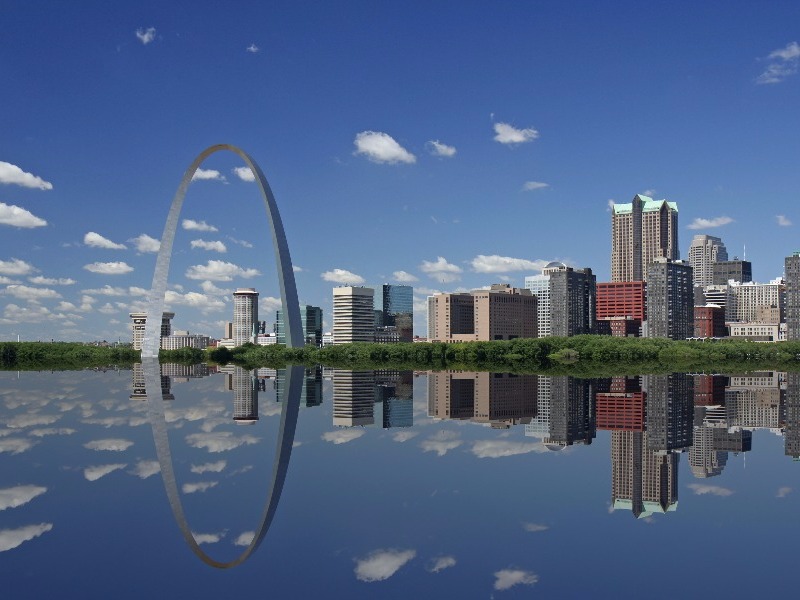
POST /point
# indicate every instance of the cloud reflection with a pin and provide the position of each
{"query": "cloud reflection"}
(19, 495)
(440, 563)
(11, 538)
(342, 436)
(508, 578)
(715, 490)
(96, 472)
(109, 445)
(382, 564)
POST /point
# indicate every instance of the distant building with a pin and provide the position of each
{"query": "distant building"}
(353, 317)
(310, 319)
(572, 301)
(641, 231)
(670, 300)
(704, 251)
(623, 306)
(736, 270)
(398, 310)
(245, 316)
(709, 321)
(139, 320)
(750, 296)
(183, 339)
(792, 275)
(758, 331)
(539, 285)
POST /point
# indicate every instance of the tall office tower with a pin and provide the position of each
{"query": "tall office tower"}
(738, 270)
(245, 316)
(398, 310)
(749, 297)
(499, 313)
(353, 316)
(704, 251)
(138, 321)
(311, 320)
(792, 428)
(642, 481)
(243, 384)
(572, 301)
(792, 279)
(622, 305)
(669, 410)
(755, 401)
(670, 299)
(353, 398)
(571, 413)
(642, 231)
(539, 285)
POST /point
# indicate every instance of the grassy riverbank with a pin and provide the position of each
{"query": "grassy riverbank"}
(58, 356)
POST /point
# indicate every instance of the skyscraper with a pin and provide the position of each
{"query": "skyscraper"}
(310, 318)
(245, 315)
(792, 280)
(704, 251)
(641, 231)
(738, 270)
(398, 310)
(353, 316)
(539, 285)
(139, 319)
(670, 300)
(572, 301)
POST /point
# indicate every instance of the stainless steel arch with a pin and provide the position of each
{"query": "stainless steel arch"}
(291, 308)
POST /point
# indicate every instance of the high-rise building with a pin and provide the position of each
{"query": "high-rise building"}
(792, 429)
(353, 316)
(622, 305)
(499, 313)
(709, 321)
(736, 270)
(138, 321)
(539, 285)
(792, 280)
(394, 391)
(670, 299)
(398, 310)
(641, 231)
(750, 297)
(245, 316)
(310, 319)
(704, 251)
(572, 301)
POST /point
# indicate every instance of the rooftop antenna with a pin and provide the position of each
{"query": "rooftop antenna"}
(744, 255)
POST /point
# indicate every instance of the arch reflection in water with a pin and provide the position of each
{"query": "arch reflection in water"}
(290, 403)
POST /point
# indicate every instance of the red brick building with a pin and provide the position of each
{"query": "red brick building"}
(709, 321)
(621, 307)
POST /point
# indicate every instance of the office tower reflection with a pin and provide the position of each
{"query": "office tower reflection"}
(621, 406)
(138, 385)
(394, 390)
(499, 399)
(244, 384)
(572, 419)
(642, 481)
(792, 429)
(670, 411)
(539, 427)
(755, 400)
(353, 398)
(311, 393)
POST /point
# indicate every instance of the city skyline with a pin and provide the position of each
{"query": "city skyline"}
(399, 150)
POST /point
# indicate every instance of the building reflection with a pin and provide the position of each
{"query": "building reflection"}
(245, 387)
(792, 431)
(311, 393)
(353, 398)
(394, 391)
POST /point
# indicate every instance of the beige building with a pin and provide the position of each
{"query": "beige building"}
(353, 315)
(751, 298)
(138, 321)
(641, 231)
(499, 313)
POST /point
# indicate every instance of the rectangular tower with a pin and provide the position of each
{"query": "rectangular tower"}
(398, 310)
(245, 315)
(670, 300)
(642, 231)
(353, 316)
(572, 301)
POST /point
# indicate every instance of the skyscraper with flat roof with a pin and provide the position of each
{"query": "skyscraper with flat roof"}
(704, 251)
(641, 231)
(245, 315)
(572, 301)
(353, 316)
(792, 280)
(138, 321)
(670, 299)
(398, 310)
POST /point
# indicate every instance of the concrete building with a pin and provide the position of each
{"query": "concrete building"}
(749, 297)
(641, 231)
(499, 313)
(572, 301)
(735, 270)
(622, 306)
(704, 251)
(758, 331)
(138, 321)
(398, 310)
(311, 320)
(670, 299)
(539, 285)
(353, 317)
(245, 316)
(709, 321)
(183, 339)
(792, 279)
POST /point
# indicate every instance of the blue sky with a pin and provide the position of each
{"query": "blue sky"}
(450, 145)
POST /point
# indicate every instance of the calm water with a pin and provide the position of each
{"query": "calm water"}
(397, 484)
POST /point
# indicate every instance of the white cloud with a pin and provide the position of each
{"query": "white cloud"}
(16, 445)
(15, 266)
(441, 443)
(501, 448)
(213, 467)
(342, 276)
(211, 289)
(19, 217)
(342, 436)
(31, 294)
(145, 243)
(109, 268)
(404, 277)
(715, 490)
(440, 563)
(532, 186)
(96, 472)
(19, 495)
(200, 486)
(380, 147)
(14, 314)
(7, 280)
(201, 302)
(192, 225)
(709, 223)
(11, 538)
(508, 578)
(534, 527)
(784, 63)
(207, 538)
(12, 174)
(109, 445)
(783, 221)
(244, 173)
(39, 280)
(243, 243)
(215, 246)
(297, 269)
(382, 564)
(505, 264)
(107, 290)
(441, 270)
(95, 240)
(508, 134)
(244, 539)
(269, 304)
(146, 35)
(252, 48)
(208, 175)
(218, 270)
(221, 441)
(438, 148)
(146, 468)
(783, 492)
